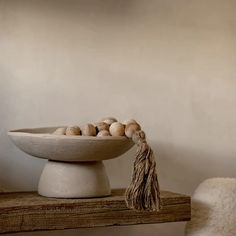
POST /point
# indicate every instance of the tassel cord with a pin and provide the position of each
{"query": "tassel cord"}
(143, 193)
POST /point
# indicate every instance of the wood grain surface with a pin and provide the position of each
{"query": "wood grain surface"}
(27, 211)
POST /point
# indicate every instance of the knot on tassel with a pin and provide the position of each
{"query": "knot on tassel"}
(139, 137)
(143, 194)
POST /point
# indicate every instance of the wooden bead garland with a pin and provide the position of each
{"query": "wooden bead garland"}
(73, 130)
(126, 122)
(88, 130)
(102, 126)
(117, 129)
(131, 128)
(103, 133)
(109, 120)
(60, 131)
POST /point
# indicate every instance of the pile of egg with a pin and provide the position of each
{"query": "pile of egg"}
(106, 127)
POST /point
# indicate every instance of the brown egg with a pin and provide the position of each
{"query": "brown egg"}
(131, 128)
(103, 133)
(73, 130)
(109, 120)
(117, 129)
(60, 131)
(102, 126)
(88, 130)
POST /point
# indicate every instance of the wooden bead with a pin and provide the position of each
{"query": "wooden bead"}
(60, 131)
(109, 120)
(117, 129)
(103, 133)
(102, 126)
(131, 128)
(127, 122)
(73, 130)
(88, 130)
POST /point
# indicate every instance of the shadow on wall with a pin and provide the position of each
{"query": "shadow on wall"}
(182, 169)
(15, 166)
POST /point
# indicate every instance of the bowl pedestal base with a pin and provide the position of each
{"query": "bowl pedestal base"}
(74, 180)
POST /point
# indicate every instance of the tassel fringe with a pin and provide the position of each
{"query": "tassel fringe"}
(143, 194)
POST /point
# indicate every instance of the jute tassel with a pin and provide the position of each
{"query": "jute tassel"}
(143, 194)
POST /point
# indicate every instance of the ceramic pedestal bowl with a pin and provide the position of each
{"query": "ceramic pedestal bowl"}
(74, 168)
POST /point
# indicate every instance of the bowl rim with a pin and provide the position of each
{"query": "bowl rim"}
(26, 132)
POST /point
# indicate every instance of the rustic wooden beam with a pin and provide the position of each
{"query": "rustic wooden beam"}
(27, 211)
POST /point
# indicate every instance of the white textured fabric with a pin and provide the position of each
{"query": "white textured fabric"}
(214, 208)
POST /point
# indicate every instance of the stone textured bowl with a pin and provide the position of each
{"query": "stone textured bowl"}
(74, 168)
(40, 142)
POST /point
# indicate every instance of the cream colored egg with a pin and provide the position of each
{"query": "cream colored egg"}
(103, 133)
(102, 126)
(109, 120)
(131, 128)
(73, 130)
(127, 122)
(60, 131)
(117, 129)
(88, 130)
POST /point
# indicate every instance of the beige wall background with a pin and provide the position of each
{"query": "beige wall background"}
(168, 64)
